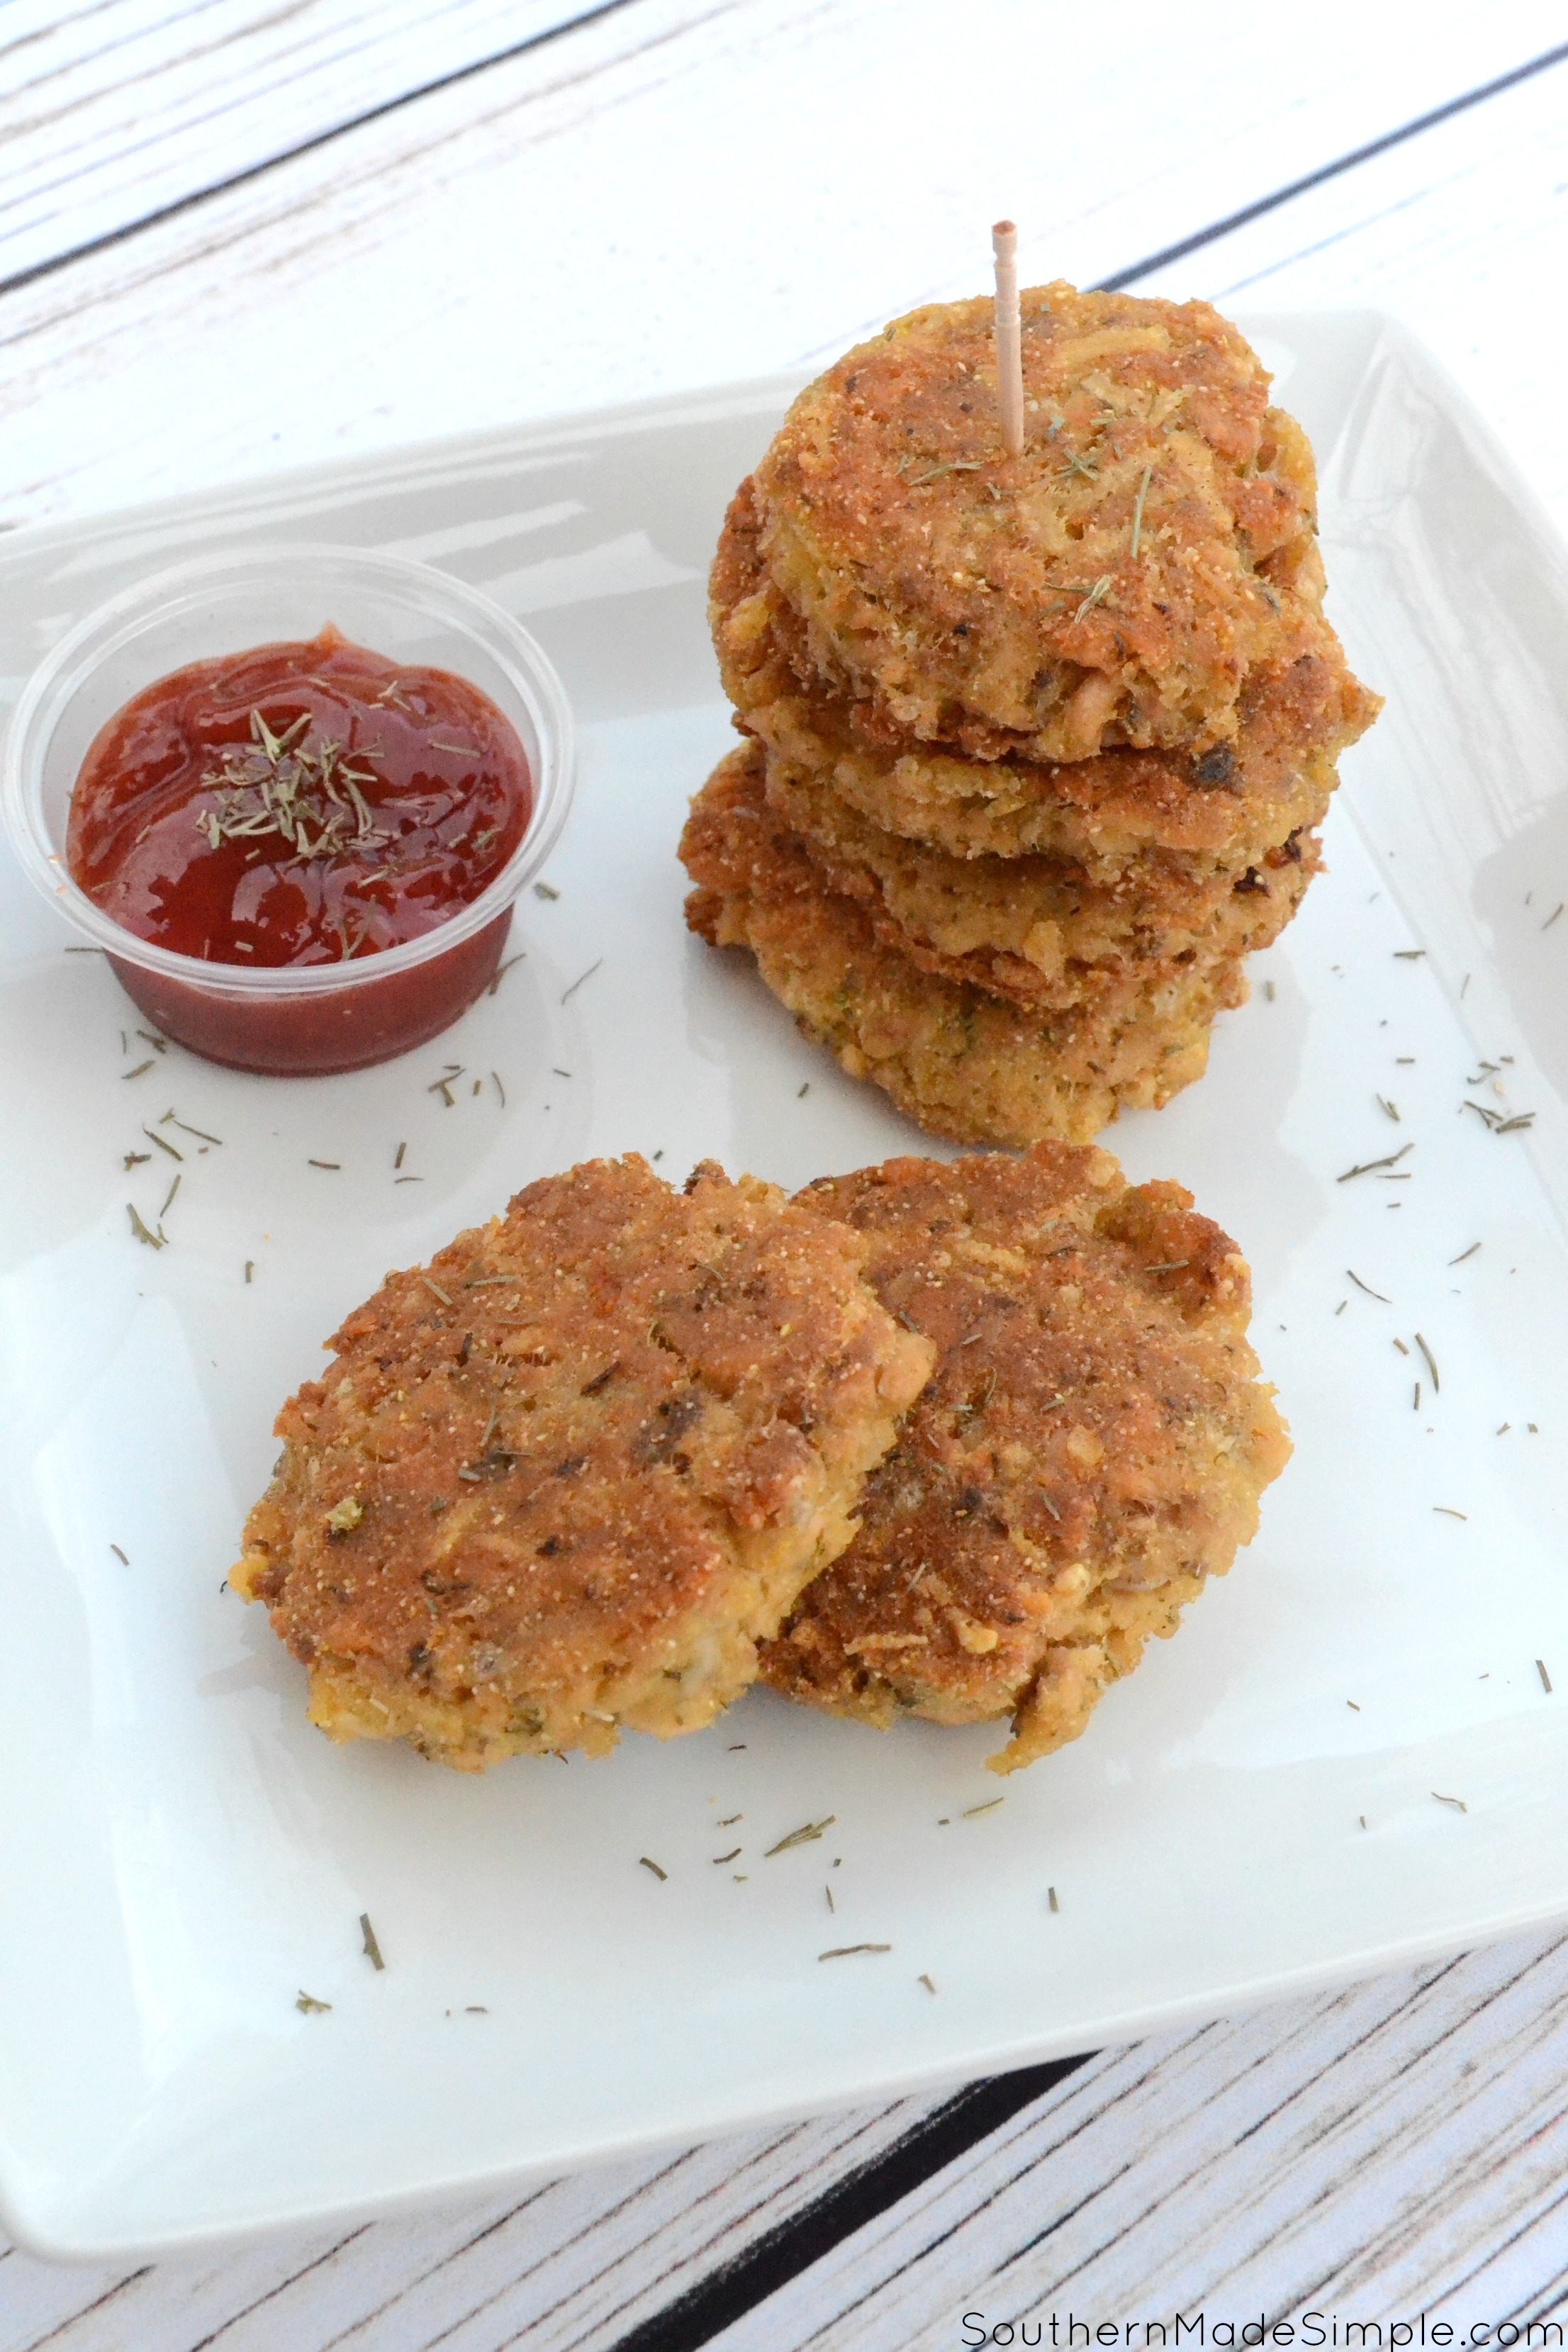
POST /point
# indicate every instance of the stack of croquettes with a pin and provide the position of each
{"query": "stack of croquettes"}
(1036, 746)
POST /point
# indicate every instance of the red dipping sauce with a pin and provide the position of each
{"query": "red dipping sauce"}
(301, 804)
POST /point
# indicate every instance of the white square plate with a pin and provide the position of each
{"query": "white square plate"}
(1253, 1812)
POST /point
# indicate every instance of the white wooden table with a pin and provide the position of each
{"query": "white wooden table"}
(236, 236)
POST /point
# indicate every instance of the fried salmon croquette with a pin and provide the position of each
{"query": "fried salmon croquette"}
(964, 1062)
(1116, 584)
(1041, 930)
(1206, 809)
(1046, 737)
(1092, 1444)
(566, 1476)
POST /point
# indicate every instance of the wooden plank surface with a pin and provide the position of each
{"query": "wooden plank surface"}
(683, 191)
(1397, 2149)
(692, 191)
(1459, 233)
(114, 112)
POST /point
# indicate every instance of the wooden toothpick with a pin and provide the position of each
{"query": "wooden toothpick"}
(1010, 353)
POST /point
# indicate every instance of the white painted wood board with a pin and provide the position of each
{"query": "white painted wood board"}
(1395, 2148)
(112, 111)
(685, 194)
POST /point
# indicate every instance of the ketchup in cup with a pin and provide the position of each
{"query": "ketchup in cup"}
(301, 804)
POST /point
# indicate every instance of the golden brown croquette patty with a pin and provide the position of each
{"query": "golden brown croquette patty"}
(1115, 584)
(566, 1476)
(1040, 929)
(963, 1062)
(1091, 1446)
(1206, 810)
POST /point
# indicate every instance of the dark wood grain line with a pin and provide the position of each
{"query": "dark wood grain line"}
(1352, 2049)
(600, 2217)
(272, 2292)
(1476, 2009)
(362, 2320)
(1306, 2298)
(551, 2254)
(1090, 2121)
(1349, 2051)
(1334, 2281)
(1048, 2155)
(929, 2246)
(782, 2253)
(96, 2305)
(308, 146)
(771, 2196)
(46, 32)
(1269, 203)
(1556, 2300)
(1147, 2213)
(138, 32)
(605, 2214)
(308, 205)
(1499, 2246)
(527, 2270)
(1321, 245)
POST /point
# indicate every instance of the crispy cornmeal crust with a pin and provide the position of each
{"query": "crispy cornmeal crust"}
(1040, 929)
(565, 1477)
(1226, 807)
(1091, 1446)
(1221, 812)
(1155, 541)
(963, 1062)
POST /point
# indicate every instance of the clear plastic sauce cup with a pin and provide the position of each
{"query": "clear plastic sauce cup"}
(288, 1019)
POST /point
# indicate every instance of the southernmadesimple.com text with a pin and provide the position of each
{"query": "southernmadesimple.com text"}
(1195, 2332)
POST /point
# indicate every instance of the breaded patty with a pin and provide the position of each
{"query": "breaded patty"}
(1114, 584)
(1227, 807)
(962, 1061)
(1038, 928)
(1091, 1446)
(566, 1476)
